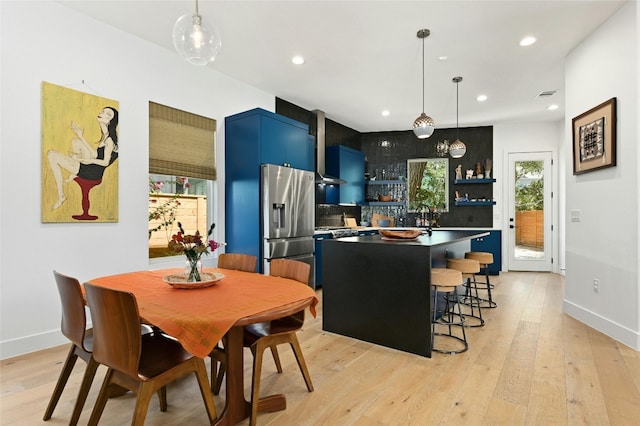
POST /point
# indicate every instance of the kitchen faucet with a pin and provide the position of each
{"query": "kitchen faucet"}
(429, 217)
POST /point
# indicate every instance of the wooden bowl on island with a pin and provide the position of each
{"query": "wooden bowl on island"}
(401, 234)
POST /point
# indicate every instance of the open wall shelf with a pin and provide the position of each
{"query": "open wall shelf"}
(472, 181)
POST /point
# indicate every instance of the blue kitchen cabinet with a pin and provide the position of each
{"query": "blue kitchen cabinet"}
(319, 238)
(492, 243)
(347, 164)
(253, 138)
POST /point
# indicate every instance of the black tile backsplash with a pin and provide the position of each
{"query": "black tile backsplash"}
(386, 155)
(334, 215)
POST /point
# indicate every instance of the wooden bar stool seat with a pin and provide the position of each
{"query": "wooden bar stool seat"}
(469, 268)
(446, 281)
(485, 259)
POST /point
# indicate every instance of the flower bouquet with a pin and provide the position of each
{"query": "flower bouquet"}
(193, 247)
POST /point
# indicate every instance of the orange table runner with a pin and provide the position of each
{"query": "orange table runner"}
(199, 318)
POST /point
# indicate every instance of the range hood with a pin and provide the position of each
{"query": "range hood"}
(321, 176)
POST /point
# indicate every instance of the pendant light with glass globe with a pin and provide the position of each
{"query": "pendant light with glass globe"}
(195, 42)
(424, 125)
(457, 149)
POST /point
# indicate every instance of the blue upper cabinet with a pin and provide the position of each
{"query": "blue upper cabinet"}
(253, 138)
(272, 139)
(348, 165)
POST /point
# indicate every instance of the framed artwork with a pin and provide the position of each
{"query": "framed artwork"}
(594, 138)
(79, 156)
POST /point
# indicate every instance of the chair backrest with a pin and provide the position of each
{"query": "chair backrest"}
(74, 317)
(237, 261)
(288, 268)
(116, 328)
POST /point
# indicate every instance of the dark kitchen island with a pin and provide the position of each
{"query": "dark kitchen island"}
(379, 291)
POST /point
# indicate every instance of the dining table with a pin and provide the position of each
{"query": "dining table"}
(201, 317)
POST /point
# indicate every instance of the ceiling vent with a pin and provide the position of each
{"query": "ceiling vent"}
(546, 93)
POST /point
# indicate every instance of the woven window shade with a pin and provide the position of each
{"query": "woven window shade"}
(181, 143)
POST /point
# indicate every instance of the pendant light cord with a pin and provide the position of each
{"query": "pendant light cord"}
(197, 11)
(457, 106)
(423, 75)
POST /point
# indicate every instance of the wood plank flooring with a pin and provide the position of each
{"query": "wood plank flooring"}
(530, 365)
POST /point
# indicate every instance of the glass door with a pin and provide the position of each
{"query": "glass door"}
(530, 210)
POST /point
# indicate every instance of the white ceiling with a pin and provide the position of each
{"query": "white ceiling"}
(364, 56)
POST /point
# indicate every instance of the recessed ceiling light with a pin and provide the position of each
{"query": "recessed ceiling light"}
(527, 41)
(481, 98)
(552, 107)
(385, 113)
(443, 58)
(298, 60)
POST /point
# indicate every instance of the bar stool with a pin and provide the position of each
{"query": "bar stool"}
(447, 281)
(485, 259)
(468, 268)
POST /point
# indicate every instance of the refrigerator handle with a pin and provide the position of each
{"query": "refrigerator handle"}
(278, 216)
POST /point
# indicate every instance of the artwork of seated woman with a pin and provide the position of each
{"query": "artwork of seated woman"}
(86, 164)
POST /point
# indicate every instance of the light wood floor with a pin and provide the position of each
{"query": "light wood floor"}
(530, 365)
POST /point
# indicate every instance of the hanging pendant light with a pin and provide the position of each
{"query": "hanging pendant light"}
(195, 42)
(442, 148)
(424, 125)
(457, 149)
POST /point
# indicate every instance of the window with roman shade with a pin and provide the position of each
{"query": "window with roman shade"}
(181, 143)
(182, 173)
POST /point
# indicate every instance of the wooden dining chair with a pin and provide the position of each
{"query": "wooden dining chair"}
(238, 262)
(74, 327)
(261, 336)
(144, 364)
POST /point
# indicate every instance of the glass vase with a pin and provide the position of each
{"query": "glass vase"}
(193, 270)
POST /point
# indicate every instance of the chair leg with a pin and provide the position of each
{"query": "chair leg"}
(276, 358)
(491, 303)
(472, 300)
(69, 363)
(297, 351)
(103, 396)
(219, 379)
(162, 398)
(143, 398)
(201, 375)
(87, 380)
(452, 301)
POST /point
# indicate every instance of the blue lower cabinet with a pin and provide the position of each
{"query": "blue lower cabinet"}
(318, 254)
(492, 243)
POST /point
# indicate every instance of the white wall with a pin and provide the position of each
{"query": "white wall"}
(45, 41)
(526, 137)
(604, 244)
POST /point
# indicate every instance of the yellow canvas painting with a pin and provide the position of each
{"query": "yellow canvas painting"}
(79, 156)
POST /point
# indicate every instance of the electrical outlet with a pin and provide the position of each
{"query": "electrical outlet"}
(596, 285)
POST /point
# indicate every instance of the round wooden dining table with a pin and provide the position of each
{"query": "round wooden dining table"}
(199, 318)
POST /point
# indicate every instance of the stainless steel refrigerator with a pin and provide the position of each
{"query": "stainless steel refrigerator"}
(288, 215)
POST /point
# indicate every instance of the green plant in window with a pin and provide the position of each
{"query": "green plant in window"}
(428, 184)
(163, 213)
(529, 185)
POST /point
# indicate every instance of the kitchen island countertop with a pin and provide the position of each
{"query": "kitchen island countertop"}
(379, 291)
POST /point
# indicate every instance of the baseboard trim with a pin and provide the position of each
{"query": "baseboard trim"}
(33, 343)
(612, 329)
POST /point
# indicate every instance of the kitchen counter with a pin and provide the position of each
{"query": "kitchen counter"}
(379, 291)
(437, 238)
